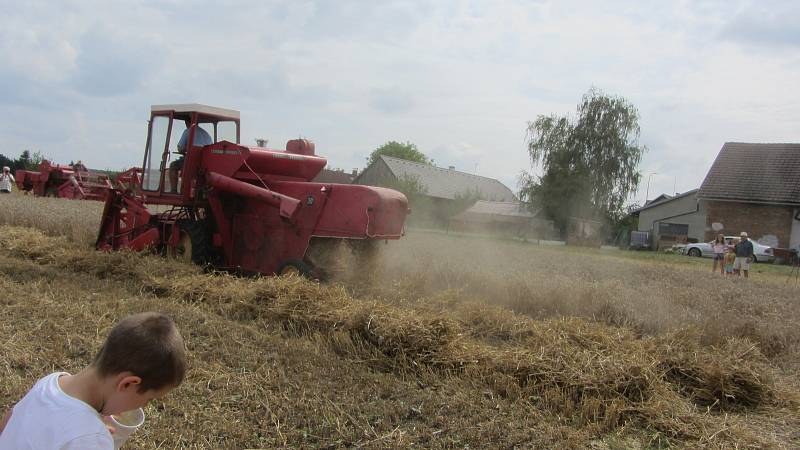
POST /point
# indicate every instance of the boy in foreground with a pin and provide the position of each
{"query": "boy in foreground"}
(142, 359)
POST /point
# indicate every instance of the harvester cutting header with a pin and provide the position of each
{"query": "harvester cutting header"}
(250, 209)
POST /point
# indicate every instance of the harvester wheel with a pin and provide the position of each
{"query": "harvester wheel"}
(295, 267)
(193, 243)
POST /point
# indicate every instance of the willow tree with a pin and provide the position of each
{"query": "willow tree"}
(589, 162)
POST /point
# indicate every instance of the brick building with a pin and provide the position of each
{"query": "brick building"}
(754, 188)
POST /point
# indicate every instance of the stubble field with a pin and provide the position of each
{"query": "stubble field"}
(453, 342)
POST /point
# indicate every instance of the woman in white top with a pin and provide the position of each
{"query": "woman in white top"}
(6, 180)
(719, 247)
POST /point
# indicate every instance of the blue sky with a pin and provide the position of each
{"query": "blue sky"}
(460, 79)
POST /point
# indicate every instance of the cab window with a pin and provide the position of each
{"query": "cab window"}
(159, 129)
(226, 131)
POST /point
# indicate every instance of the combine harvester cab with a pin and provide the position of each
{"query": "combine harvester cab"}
(248, 209)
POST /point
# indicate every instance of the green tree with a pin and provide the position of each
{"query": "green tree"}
(410, 186)
(28, 160)
(590, 162)
(7, 162)
(461, 202)
(407, 151)
(623, 227)
(415, 192)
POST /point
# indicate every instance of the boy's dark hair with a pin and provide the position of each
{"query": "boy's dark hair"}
(147, 345)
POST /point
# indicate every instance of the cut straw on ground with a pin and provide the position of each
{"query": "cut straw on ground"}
(289, 362)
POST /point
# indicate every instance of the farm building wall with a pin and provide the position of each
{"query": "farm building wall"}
(681, 210)
(520, 227)
(431, 213)
(767, 224)
(377, 174)
(428, 212)
(584, 232)
(794, 239)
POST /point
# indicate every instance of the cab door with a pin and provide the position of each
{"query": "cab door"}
(156, 153)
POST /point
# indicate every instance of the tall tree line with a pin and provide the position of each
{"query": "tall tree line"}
(27, 160)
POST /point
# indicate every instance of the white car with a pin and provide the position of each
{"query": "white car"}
(761, 253)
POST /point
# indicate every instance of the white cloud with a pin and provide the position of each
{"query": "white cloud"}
(458, 78)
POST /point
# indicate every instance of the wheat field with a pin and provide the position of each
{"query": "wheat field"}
(454, 342)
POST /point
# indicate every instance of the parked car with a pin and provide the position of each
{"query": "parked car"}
(761, 253)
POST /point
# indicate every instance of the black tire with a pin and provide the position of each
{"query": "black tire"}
(754, 259)
(194, 245)
(695, 252)
(295, 266)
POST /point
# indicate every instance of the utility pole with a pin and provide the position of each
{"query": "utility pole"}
(647, 194)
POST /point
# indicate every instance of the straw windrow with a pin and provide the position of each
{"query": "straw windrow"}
(600, 379)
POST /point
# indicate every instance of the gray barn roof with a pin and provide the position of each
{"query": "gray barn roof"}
(663, 199)
(758, 173)
(446, 183)
(334, 176)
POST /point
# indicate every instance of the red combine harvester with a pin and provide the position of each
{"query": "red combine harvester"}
(65, 181)
(248, 209)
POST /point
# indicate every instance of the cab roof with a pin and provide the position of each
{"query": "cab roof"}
(197, 107)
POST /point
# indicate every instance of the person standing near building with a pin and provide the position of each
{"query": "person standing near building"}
(744, 254)
(6, 180)
(730, 257)
(719, 247)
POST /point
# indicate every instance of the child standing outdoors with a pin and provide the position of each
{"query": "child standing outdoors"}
(142, 359)
(730, 257)
(718, 247)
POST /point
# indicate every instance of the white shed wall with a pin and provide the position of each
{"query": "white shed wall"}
(683, 210)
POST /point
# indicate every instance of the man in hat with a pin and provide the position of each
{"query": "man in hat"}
(744, 254)
(6, 180)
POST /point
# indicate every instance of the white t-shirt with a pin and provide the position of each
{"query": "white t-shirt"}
(47, 418)
(6, 181)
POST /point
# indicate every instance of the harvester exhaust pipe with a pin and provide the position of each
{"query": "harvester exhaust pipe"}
(287, 206)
